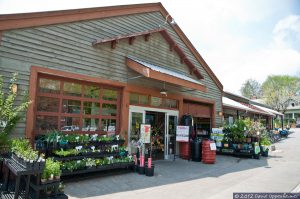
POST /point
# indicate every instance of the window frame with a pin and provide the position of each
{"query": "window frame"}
(162, 106)
(61, 96)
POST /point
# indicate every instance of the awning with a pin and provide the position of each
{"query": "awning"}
(234, 104)
(271, 111)
(227, 102)
(162, 74)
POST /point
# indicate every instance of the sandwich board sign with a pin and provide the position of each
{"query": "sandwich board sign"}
(182, 133)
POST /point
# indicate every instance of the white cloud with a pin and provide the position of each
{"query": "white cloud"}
(279, 57)
(287, 32)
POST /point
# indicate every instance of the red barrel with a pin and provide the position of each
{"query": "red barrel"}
(208, 155)
(184, 150)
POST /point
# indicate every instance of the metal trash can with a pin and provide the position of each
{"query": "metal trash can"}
(196, 150)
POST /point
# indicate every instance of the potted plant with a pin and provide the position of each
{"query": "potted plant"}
(44, 177)
(56, 170)
(264, 145)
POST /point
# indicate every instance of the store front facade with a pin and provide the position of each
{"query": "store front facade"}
(106, 71)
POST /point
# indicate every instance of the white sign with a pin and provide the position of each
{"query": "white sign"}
(217, 135)
(145, 133)
(182, 133)
(217, 130)
(230, 120)
(213, 146)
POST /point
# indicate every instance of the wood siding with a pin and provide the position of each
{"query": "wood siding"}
(68, 47)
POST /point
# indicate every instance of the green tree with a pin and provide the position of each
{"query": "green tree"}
(278, 89)
(10, 112)
(251, 89)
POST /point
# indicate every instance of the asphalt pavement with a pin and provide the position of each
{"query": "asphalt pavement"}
(280, 172)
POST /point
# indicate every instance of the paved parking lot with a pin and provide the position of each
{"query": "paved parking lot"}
(182, 179)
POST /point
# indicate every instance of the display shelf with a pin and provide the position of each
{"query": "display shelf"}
(82, 156)
(100, 168)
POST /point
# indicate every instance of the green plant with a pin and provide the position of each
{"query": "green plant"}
(10, 113)
(45, 174)
(22, 148)
(52, 167)
(89, 162)
(265, 140)
(235, 132)
(66, 153)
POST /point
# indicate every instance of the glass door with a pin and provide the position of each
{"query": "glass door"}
(136, 118)
(170, 136)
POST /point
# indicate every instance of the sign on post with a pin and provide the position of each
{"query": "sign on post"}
(182, 133)
(145, 133)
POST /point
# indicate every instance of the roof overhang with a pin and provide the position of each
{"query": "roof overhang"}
(271, 111)
(146, 34)
(162, 74)
(232, 104)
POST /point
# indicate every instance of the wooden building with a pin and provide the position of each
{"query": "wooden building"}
(107, 70)
(240, 107)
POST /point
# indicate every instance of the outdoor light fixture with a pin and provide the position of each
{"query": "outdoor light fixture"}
(164, 91)
(220, 113)
(14, 88)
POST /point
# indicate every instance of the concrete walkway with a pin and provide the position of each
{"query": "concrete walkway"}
(182, 179)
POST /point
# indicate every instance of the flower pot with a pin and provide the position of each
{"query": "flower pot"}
(226, 145)
(240, 146)
(57, 177)
(135, 168)
(51, 177)
(141, 170)
(234, 146)
(43, 181)
(149, 171)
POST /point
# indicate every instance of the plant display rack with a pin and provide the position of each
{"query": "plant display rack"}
(245, 152)
(79, 154)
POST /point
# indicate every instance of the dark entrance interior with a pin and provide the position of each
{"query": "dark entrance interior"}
(157, 122)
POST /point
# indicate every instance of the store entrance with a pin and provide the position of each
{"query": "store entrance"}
(163, 130)
(158, 123)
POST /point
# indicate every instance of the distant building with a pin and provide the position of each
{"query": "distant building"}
(292, 113)
(240, 107)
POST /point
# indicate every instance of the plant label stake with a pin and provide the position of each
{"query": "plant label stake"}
(149, 162)
(135, 159)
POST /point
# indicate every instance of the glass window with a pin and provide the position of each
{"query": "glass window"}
(111, 95)
(109, 109)
(108, 125)
(134, 98)
(84, 107)
(170, 103)
(144, 100)
(72, 89)
(46, 122)
(91, 108)
(136, 121)
(47, 104)
(49, 86)
(90, 124)
(69, 123)
(71, 106)
(92, 92)
(156, 101)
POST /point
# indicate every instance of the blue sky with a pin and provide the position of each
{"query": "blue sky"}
(239, 39)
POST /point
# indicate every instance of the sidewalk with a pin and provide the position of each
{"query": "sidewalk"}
(183, 179)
